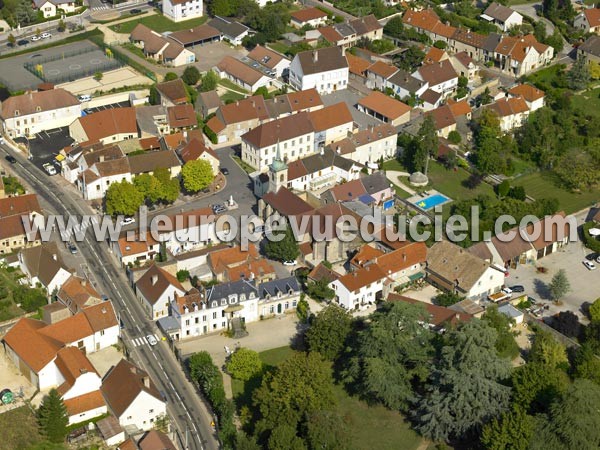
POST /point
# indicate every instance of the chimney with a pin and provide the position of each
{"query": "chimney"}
(146, 381)
(82, 371)
(404, 257)
(154, 279)
(101, 158)
(84, 282)
(315, 56)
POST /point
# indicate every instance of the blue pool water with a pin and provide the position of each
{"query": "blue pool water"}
(431, 201)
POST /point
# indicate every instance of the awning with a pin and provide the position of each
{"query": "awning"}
(416, 276)
(486, 17)
(233, 308)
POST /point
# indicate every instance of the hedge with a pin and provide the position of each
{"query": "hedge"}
(590, 241)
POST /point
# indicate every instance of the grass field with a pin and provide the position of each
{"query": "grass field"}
(158, 23)
(19, 429)
(279, 47)
(231, 85)
(588, 102)
(369, 427)
(544, 185)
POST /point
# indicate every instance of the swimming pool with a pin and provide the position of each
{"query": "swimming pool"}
(431, 201)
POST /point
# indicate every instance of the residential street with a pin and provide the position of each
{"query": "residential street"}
(189, 412)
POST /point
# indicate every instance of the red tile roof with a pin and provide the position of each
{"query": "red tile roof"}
(304, 15)
(83, 403)
(362, 277)
(384, 105)
(330, 117)
(528, 92)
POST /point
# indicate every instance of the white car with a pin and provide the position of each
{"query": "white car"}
(507, 290)
(45, 35)
(289, 263)
(590, 265)
(127, 221)
(49, 168)
(151, 340)
(36, 38)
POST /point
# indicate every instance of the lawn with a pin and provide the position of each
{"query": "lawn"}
(279, 47)
(368, 426)
(230, 97)
(545, 185)
(19, 429)
(158, 23)
(588, 102)
(231, 85)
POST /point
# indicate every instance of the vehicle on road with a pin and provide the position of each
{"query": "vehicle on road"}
(590, 265)
(46, 35)
(72, 248)
(11, 159)
(290, 263)
(135, 11)
(127, 221)
(85, 98)
(49, 168)
(35, 38)
(1, 140)
(22, 42)
(517, 288)
(151, 340)
(225, 171)
(591, 256)
(219, 208)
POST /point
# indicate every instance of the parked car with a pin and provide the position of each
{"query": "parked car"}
(151, 340)
(135, 11)
(290, 263)
(22, 42)
(45, 35)
(219, 208)
(85, 98)
(225, 171)
(507, 290)
(11, 159)
(590, 265)
(127, 221)
(49, 168)
(35, 38)
(517, 288)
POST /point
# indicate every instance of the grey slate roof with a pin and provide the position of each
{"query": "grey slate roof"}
(224, 290)
(405, 80)
(491, 42)
(283, 285)
(591, 46)
(498, 12)
(230, 29)
(376, 182)
(330, 58)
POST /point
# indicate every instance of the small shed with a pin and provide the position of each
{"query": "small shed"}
(512, 312)
(111, 431)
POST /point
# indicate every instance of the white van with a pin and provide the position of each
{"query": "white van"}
(85, 98)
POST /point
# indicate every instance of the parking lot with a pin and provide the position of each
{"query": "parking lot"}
(209, 55)
(351, 99)
(585, 284)
(46, 145)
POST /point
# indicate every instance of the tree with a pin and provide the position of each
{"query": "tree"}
(221, 8)
(454, 137)
(149, 186)
(244, 364)
(301, 385)
(284, 250)
(506, 345)
(263, 92)
(210, 80)
(98, 76)
(587, 364)
(62, 26)
(302, 309)
(595, 311)
(328, 332)
(440, 44)
(518, 193)
(567, 323)
(320, 290)
(153, 96)
(245, 442)
(197, 174)
(53, 417)
(536, 386)
(559, 285)
(191, 75)
(325, 430)
(579, 75)
(447, 299)
(170, 76)
(183, 275)
(428, 139)
(467, 385)
(512, 430)
(548, 351)
(29, 299)
(392, 355)
(284, 437)
(503, 188)
(169, 188)
(38, 32)
(123, 198)
(594, 70)
(573, 422)
(11, 39)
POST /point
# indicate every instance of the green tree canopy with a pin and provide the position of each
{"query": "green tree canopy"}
(587, 363)
(512, 430)
(595, 311)
(191, 75)
(123, 198)
(197, 174)
(170, 76)
(284, 437)
(328, 332)
(210, 80)
(285, 249)
(244, 364)
(467, 385)
(391, 354)
(505, 343)
(536, 385)
(326, 430)
(548, 351)
(579, 75)
(320, 290)
(559, 286)
(53, 417)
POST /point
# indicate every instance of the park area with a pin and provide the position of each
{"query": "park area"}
(158, 23)
(369, 427)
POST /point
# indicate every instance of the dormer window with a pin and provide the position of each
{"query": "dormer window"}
(223, 302)
(242, 297)
(17, 113)
(38, 108)
(214, 304)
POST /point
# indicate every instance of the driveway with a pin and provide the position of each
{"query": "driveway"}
(585, 284)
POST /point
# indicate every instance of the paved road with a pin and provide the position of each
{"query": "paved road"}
(184, 405)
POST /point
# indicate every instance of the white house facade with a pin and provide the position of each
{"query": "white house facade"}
(178, 10)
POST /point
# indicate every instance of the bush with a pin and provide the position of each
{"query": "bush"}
(503, 189)
(454, 137)
(440, 44)
(590, 241)
(191, 76)
(518, 193)
(244, 364)
(30, 299)
(447, 299)
(210, 134)
(183, 275)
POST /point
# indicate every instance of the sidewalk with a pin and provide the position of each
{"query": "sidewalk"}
(394, 177)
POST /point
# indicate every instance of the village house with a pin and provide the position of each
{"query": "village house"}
(231, 31)
(441, 77)
(324, 69)
(77, 293)
(294, 102)
(278, 296)
(233, 264)
(590, 50)
(370, 145)
(378, 73)
(534, 97)
(464, 66)
(164, 50)
(360, 288)
(208, 103)
(15, 213)
(43, 264)
(520, 55)
(502, 16)
(155, 290)
(53, 8)
(235, 119)
(272, 61)
(149, 162)
(132, 397)
(313, 17)
(178, 10)
(172, 92)
(32, 113)
(347, 34)
(404, 85)
(107, 126)
(512, 112)
(330, 124)
(135, 251)
(197, 150)
(384, 108)
(439, 318)
(241, 74)
(588, 20)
